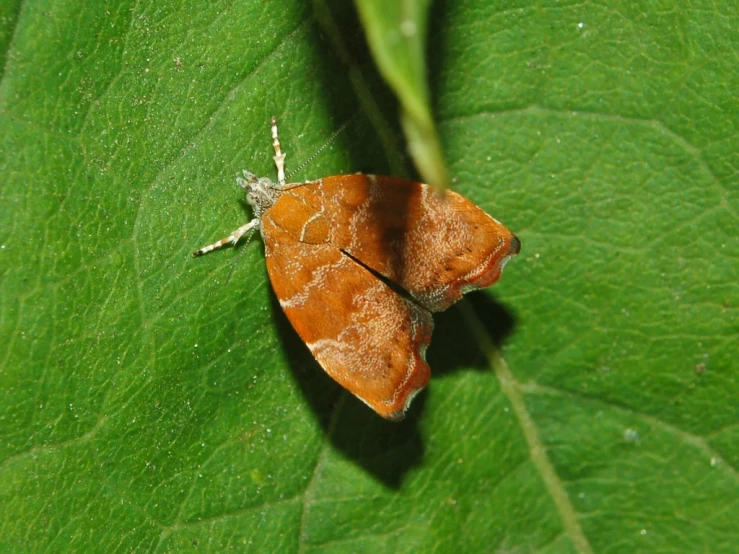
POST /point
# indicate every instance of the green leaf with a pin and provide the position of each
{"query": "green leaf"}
(150, 403)
(396, 33)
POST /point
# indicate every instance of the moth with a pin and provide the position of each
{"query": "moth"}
(360, 262)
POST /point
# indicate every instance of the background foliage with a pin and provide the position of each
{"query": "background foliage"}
(149, 403)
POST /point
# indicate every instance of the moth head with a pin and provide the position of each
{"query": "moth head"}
(261, 192)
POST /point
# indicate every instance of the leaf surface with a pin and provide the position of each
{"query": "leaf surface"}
(152, 403)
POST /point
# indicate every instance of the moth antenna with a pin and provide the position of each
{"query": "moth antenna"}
(322, 148)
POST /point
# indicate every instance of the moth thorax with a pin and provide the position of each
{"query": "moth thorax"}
(261, 192)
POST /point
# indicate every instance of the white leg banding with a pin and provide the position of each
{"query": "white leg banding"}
(233, 238)
(279, 157)
(247, 183)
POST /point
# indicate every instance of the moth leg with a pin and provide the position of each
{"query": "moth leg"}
(233, 238)
(279, 156)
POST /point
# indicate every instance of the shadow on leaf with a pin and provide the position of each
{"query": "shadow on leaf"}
(383, 448)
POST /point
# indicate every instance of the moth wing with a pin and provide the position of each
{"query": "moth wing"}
(435, 247)
(368, 338)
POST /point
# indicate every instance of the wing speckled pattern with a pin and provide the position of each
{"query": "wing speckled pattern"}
(435, 247)
(367, 337)
(359, 262)
(320, 239)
